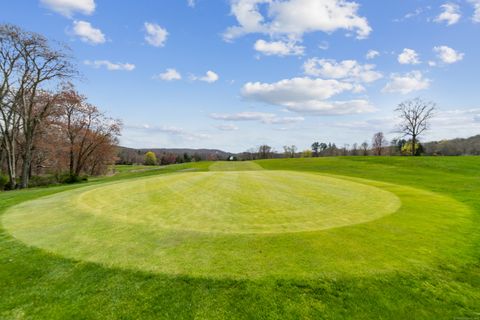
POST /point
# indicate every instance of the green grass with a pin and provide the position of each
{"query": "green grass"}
(59, 259)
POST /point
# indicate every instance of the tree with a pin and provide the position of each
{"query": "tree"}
(415, 118)
(378, 143)
(264, 152)
(315, 148)
(355, 149)
(290, 151)
(150, 159)
(86, 129)
(307, 153)
(36, 64)
(364, 147)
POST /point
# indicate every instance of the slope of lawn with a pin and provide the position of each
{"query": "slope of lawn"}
(354, 237)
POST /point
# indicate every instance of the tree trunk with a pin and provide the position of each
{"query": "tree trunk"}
(414, 145)
(72, 157)
(27, 162)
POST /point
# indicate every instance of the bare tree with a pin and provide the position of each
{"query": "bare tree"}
(415, 115)
(364, 147)
(9, 118)
(378, 143)
(355, 149)
(87, 130)
(37, 64)
(264, 152)
(290, 151)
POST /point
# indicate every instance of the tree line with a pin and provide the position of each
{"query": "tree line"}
(414, 116)
(46, 125)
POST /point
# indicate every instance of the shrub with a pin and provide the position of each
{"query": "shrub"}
(3, 181)
(150, 159)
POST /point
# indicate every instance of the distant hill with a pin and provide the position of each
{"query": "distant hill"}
(131, 155)
(453, 147)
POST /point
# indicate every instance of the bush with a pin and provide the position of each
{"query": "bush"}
(39, 181)
(3, 181)
(69, 179)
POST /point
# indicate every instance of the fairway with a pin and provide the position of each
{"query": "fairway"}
(232, 223)
(302, 238)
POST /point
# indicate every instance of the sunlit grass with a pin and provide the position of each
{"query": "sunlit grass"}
(421, 261)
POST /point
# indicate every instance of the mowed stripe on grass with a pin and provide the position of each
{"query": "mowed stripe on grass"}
(240, 224)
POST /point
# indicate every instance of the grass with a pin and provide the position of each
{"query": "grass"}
(421, 261)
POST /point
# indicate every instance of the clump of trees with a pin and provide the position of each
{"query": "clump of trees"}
(46, 126)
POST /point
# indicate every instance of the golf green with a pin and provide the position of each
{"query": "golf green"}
(218, 223)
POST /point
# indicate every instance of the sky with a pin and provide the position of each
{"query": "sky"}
(235, 74)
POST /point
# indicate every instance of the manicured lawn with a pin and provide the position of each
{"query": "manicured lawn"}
(354, 237)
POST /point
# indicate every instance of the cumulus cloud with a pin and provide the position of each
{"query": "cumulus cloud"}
(450, 14)
(372, 54)
(69, 7)
(349, 70)
(278, 48)
(448, 55)
(293, 18)
(110, 65)
(87, 33)
(209, 77)
(306, 95)
(406, 83)
(155, 34)
(476, 15)
(264, 117)
(408, 56)
(169, 75)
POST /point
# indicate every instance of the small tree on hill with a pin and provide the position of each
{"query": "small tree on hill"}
(150, 159)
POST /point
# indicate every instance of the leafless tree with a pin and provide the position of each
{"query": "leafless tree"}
(264, 152)
(364, 147)
(86, 129)
(290, 151)
(37, 65)
(378, 143)
(415, 118)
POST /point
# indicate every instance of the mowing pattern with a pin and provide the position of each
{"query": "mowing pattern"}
(238, 224)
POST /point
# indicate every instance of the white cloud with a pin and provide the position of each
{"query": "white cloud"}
(278, 48)
(476, 15)
(110, 65)
(293, 18)
(408, 56)
(451, 14)
(264, 117)
(69, 7)
(156, 35)
(170, 130)
(87, 33)
(306, 95)
(448, 55)
(209, 77)
(349, 70)
(227, 127)
(169, 75)
(372, 54)
(191, 3)
(406, 83)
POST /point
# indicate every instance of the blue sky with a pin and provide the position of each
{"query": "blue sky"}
(234, 74)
